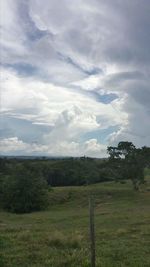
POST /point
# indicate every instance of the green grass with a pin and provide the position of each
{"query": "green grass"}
(59, 237)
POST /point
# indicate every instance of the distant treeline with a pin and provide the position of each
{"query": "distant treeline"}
(25, 183)
(60, 172)
(125, 161)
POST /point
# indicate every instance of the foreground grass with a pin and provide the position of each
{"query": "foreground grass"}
(59, 237)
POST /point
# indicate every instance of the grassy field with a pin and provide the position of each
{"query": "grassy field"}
(59, 237)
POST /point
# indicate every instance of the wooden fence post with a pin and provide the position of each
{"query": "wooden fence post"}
(92, 230)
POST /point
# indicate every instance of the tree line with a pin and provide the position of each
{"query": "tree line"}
(24, 183)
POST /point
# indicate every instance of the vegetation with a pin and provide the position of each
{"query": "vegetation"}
(24, 183)
(59, 237)
(60, 172)
(125, 162)
(128, 162)
(23, 191)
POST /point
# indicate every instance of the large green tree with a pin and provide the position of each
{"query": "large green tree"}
(128, 162)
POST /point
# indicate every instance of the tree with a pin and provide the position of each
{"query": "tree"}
(129, 162)
(24, 191)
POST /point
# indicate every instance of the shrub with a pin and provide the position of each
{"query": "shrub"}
(24, 191)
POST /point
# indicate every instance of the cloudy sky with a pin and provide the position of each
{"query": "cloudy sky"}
(75, 76)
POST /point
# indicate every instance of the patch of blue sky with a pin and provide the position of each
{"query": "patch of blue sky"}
(100, 135)
(92, 71)
(36, 34)
(23, 68)
(107, 98)
(103, 98)
(23, 129)
(31, 31)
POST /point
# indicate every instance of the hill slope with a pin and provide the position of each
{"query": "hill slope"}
(59, 237)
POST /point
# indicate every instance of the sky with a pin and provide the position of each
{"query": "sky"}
(75, 76)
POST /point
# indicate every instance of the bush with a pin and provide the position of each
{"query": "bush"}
(24, 191)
